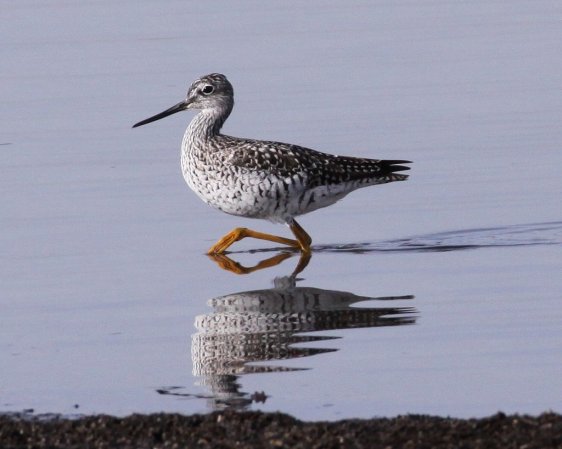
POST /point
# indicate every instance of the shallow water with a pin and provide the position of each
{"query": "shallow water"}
(437, 295)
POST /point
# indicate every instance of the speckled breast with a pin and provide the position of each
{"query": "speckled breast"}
(233, 189)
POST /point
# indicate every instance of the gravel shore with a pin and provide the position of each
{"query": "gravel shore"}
(277, 430)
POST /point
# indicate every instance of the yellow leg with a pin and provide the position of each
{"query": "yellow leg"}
(239, 233)
(303, 238)
(302, 241)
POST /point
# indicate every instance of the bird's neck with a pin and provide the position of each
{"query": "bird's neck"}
(208, 123)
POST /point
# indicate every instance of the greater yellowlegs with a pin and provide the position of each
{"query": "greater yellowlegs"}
(262, 179)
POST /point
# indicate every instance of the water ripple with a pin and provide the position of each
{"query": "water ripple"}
(505, 236)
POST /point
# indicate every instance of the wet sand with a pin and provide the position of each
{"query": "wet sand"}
(275, 430)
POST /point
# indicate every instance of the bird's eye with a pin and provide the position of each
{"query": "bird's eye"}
(208, 89)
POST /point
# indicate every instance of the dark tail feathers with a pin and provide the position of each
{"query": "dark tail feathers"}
(393, 166)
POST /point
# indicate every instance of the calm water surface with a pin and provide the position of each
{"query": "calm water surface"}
(439, 295)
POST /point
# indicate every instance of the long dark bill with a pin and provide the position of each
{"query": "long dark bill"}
(182, 105)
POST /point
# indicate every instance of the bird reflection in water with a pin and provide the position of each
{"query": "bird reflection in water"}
(264, 325)
(226, 263)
